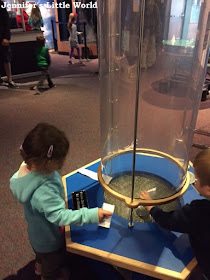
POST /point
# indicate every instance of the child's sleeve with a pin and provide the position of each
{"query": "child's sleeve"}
(53, 207)
(178, 220)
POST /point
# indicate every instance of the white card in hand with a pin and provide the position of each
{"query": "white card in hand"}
(107, 221)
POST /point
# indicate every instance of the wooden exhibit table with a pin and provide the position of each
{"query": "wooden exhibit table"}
(146, 248)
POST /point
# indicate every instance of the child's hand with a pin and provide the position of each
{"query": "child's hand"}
(5, 42)
(145, 195)
(102, 214)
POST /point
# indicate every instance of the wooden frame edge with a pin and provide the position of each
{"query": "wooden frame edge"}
(123, 262)
(189, 268)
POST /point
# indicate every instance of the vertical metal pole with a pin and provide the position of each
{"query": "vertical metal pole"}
(111, 55)
(141, 24)
(20, 10)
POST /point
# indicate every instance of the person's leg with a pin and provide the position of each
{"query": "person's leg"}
(1, 62)
(50, 82)
(37, 266)
(1, 65)
(7, 66)
(79, 55)
(52, 265)
(1, 81)
(40, 83)
(43, 77)
(71, 55)
(71, 52)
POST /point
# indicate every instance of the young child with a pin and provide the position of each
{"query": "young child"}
(193, 218)
(37, 184)
(5, 51)
(73, 38)
(43, 62)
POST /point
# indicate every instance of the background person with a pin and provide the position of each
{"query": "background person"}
(5, 52)
(35, 19)
(73, 38)
(43, 62)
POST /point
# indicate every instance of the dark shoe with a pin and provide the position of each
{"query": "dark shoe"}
(12, 85)
(52, 85)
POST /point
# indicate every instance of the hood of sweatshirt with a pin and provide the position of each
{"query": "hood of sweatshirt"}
(24, 187)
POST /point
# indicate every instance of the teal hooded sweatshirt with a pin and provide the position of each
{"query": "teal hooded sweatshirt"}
(44, 207)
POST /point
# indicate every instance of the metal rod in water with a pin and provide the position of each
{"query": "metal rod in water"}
(141, 24)
(130, 224)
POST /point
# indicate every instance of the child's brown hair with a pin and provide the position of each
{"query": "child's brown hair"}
(45, 148)
(35, 13)
(202, 167)
(40, 40)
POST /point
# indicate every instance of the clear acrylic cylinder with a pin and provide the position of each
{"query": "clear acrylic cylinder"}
(152, 58)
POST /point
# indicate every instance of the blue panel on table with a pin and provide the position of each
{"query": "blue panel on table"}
(145, 242)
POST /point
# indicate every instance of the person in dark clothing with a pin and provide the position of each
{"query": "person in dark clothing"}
(193, 218)
(43, 62)
(5, 53)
